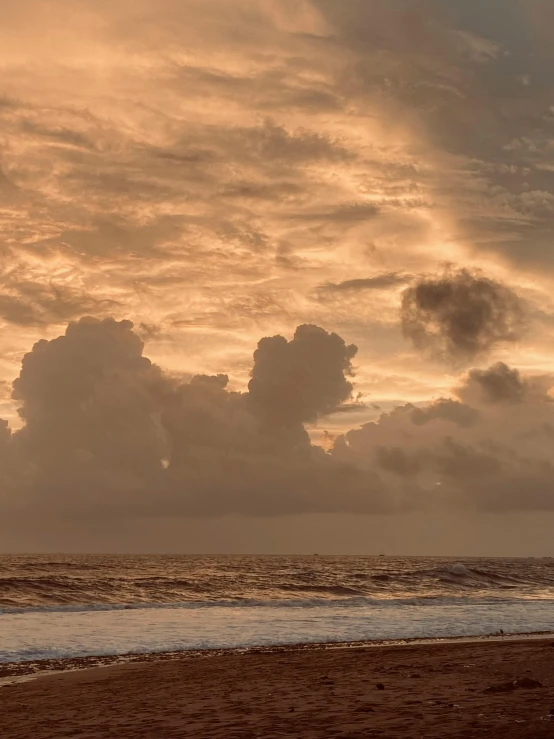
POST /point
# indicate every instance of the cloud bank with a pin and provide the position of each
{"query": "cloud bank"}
(108, 435)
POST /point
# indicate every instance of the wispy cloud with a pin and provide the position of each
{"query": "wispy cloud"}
(379, 282)
(224, 170)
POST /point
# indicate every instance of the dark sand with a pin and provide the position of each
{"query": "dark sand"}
(430, 690)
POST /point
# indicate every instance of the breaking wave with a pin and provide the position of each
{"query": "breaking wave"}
(361, 602)
(127, 582)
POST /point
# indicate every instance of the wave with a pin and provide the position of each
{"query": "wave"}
(28, 583)
(296, 603)
(338, 590)
(462, 575)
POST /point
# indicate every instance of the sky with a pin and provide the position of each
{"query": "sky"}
(276, 276)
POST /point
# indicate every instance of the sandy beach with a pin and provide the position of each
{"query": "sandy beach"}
(496, 688)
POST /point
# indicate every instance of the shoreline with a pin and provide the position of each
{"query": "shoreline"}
(25, 670)
(464, 688)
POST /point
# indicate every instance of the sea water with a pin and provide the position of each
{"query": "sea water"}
(70, 606)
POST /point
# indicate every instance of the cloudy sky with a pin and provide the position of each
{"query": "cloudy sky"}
(277, 275)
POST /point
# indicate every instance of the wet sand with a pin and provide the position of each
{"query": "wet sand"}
(428, 691)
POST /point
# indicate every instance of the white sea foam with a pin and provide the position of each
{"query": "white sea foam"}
(43, 635)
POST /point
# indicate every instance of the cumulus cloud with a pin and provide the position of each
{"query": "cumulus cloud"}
(108, 435)
(250, 452)
(500, 384)
(297, 381)
(448, 410)
(490, 450)
(460, 315)
(89, 400)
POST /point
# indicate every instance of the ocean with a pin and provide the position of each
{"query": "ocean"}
(71, 606)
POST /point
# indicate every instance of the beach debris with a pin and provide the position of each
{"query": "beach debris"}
(326, 681)
(502, 688)
(415, 675)
(527, 682)
(380, 686)
(364, 708)
(522, 682)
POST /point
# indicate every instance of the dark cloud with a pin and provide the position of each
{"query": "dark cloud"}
(463, 463)
(499, 384)
(486, 453)
(379, 282)
(448, 410)
(297, 381)
(502, 384)
(89, 401)
(108, 436)
(460, 315)
(228, 457)
(397, 461)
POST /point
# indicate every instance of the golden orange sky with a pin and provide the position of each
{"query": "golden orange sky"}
(218, 171)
